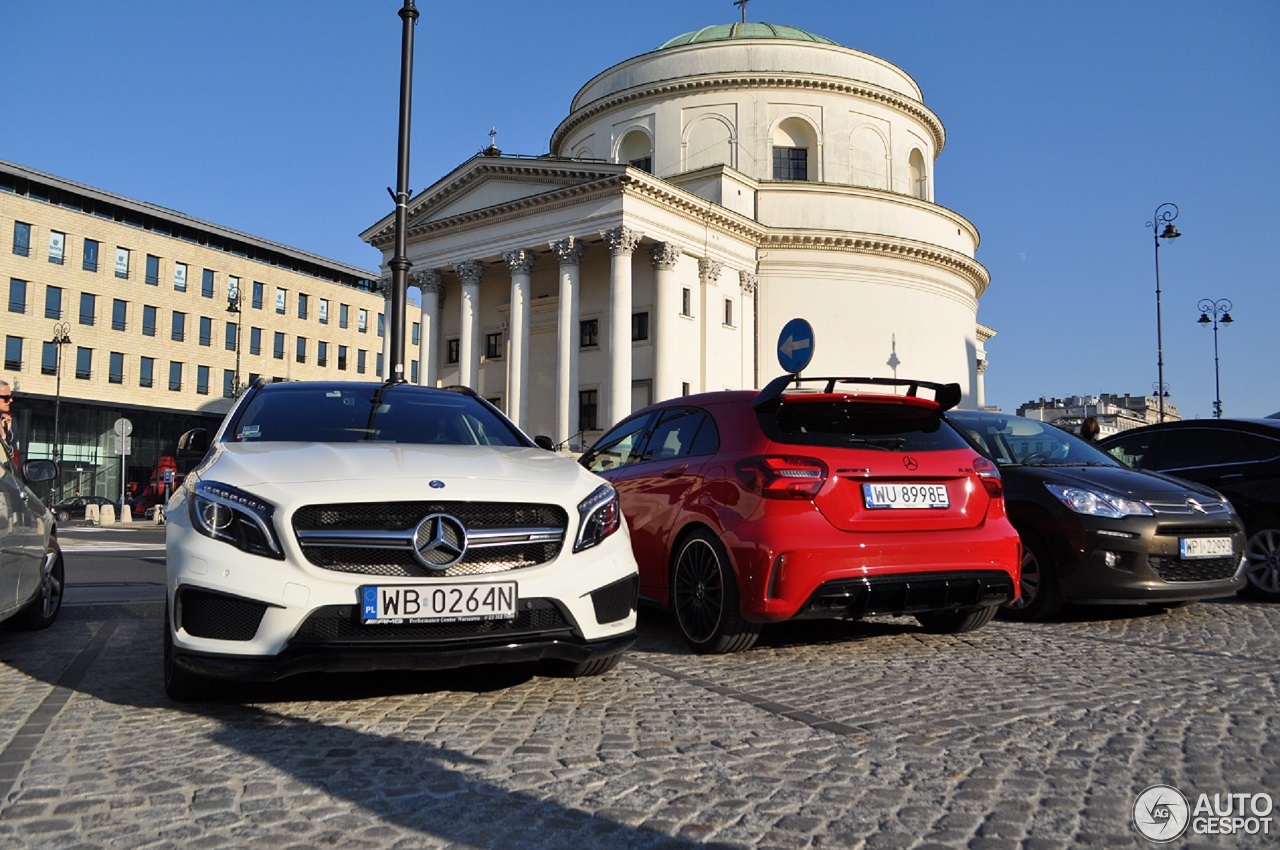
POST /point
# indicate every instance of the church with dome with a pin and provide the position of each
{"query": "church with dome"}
(694, 200)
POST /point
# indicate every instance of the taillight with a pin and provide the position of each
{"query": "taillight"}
(990, 475)
(782, 477)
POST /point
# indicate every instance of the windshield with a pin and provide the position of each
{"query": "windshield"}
(1013, 440)
(358, 413)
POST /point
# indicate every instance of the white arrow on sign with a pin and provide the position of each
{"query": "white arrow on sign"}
(791, 345)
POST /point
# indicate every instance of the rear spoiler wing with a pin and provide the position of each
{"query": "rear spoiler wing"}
(946, 395)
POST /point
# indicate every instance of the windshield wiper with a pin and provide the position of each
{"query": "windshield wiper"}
(887, 444)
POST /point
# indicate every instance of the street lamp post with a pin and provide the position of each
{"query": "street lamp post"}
(234, 299)
(1164, 214)
(1220, 310)
(61, 337)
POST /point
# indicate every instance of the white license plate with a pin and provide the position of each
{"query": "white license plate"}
(891, 495)
(437, 603)
(1205, 547)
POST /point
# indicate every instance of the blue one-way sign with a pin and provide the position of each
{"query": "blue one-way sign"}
(795, 345)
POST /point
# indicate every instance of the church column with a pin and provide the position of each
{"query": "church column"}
(384, 286)
(569, 252)
(666, 307)
(520, 262)
(747, 324)
(469, 272)
(431, 284)
(708, 276)
(980, 396)
(622, 242)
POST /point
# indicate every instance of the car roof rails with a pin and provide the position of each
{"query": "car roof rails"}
(947, 396)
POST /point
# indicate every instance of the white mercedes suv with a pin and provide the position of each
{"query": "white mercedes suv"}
(335, 526)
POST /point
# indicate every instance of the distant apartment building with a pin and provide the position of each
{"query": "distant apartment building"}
(1115, 413)
(120, 309)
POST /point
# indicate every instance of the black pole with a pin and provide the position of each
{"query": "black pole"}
(399, 262)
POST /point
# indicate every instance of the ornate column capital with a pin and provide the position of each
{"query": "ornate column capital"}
(520, 261)
(383, 286)
(569, 250)
(621, 240)
(430, 280)
(470, 272)
(665, 255)
(982, 366)
(709, 270)
(748, 282)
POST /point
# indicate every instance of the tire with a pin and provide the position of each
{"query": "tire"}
(705, 600)
(956, 622)
(64, 516)
(179, 684)
(594, 667)
(1262, 565)
(1041, 596)
(43, 609)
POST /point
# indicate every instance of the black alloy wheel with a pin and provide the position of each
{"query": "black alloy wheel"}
(704, 598)
(1040, 596)
(43, 609)
(1262, 565)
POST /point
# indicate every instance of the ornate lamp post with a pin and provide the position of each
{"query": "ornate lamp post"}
(1164, 214)
(61, 337)
(234, 298)
(1220, 310)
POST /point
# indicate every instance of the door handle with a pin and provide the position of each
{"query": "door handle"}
(675, 473)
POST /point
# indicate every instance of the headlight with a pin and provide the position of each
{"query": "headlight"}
(233, 516)
(1094, 503)
(599, 515)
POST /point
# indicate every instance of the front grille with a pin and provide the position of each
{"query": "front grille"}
(1198, 569)
(908, 594)
(218, 616)
(1216, 529)
(1206, 507)
(616, 601)
(340, 623)
(378, 538)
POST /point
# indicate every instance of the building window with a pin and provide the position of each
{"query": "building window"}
(22, 239)
(49, 354)
(88, 308)
(322, 311)
(206, 284)
(228, 383)
(588, 410)
(122, 263)
(684, 388)
(686, 302)
(90, 263)
(644, 163)
(233, 289)
(13, 353)
(180, 277)
(115, 369)
(257, 295)
(414, 330)
(53, 302)
(146, 371)
(202, 380)
(229, 340)
(178, 331)
(84, 363)
(728, 312)
(342, 315)
(255, 341)
(381, 327)
(790, 163)
(277, 348)
(342, 358)
(119, 314)
(302, 305)
(206, 330)
(639, 326)
(148, 321)
(588, 333)
(360, 353)
(153, 270)
(57, 246)
(322, 353)
(362, 321)
(378, 367)
(281, 301)
(17, 295)
(413, 371)
(492, 346)
(451, 351)
(175, 376)
(301, 350)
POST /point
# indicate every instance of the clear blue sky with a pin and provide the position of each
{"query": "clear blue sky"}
(1067, 125)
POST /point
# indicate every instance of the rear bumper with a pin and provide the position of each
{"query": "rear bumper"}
(855, 598)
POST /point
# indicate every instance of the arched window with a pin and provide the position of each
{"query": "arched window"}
(708, 141)
(793, 140)
(919, 179)
(869, 158)
(636, 150)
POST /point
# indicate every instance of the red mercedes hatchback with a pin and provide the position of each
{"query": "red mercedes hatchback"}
(813, 498)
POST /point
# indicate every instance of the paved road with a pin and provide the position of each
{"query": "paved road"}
(833, 735)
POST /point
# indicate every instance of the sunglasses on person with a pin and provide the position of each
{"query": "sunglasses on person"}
(8, 397)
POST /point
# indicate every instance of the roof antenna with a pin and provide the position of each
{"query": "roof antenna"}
(742, 4)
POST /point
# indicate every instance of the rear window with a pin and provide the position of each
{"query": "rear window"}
(845, 424)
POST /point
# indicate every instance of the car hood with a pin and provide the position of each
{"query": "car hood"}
(1130, 483)
(321, 472)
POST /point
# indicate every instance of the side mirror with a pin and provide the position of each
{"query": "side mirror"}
(36, 471)
(542, 441)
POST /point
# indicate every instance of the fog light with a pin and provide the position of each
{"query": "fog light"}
(1111, 559)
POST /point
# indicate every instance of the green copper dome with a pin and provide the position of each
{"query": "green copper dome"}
(727, 32)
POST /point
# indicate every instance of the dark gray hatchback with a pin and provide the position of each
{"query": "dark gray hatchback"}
(1095, 531)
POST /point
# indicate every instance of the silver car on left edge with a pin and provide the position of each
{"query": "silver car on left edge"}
(31, 572)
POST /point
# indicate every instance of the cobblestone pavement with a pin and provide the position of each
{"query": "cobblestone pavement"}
(871, 735)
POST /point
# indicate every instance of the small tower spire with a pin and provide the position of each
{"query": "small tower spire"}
(742, 4)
